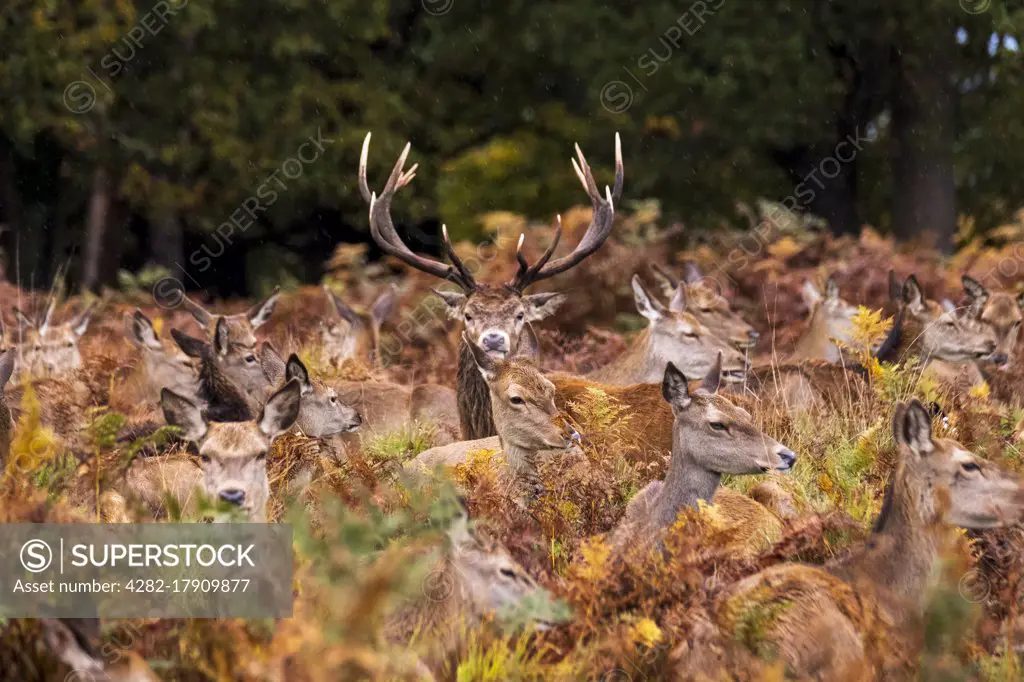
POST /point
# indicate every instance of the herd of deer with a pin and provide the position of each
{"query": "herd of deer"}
(686, 378)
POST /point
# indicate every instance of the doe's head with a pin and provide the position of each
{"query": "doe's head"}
(943, 335)
(48, 348)
(234, 454)
(167, 366)
(241, 326)
(998, 315)
(354, 335)
(693, 294)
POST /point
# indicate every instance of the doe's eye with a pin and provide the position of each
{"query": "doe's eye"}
(250, 359)
(261, 456)
(970, 467)
(516, 400)
(520, 317)
(205, 459)
(333, 399)
(718, 426)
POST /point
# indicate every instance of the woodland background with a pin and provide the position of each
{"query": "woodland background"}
(131, 130)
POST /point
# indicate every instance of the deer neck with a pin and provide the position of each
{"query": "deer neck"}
(903, 341)
(685, 483)
(520, 460)
(815, 343)
(642, 363)
(473, 398)
(225, 401)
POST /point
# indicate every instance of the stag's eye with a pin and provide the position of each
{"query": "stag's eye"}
(719, 426)
(516, 400)
(970, 467)
(71, 344)
(469, 318)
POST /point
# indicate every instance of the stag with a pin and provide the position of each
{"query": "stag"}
(496, 318)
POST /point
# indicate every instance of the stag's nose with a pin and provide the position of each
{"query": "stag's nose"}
(788, 458)
(493, 341)
(232, 495)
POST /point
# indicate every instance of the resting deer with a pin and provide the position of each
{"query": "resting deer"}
(160, 366)
(671, 335)
(820, 617)
(496, 318)
(830, 320)
(707, 305)
(948, 347)
(523, 406)
(998, 314)
(242, 326)
(68, 642)
(356, 336)
(234, 454)
(45, 348)
(710, 436)
(476, 578)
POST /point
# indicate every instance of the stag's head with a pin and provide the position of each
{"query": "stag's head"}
(234, 454)
(48, 348)
(946, 482)
(495, 317)
(943, 335)
(322, 413)
(715, 434)
(998, 315)
(167, 366)
(354, 335)
(241, 326)
(693, 294)
(677, 336)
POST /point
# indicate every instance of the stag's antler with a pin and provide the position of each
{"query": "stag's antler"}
(383, 229)
(597, 232)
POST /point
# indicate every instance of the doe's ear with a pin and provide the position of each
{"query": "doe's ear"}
(484, 362)
(261, 312)
(646, 305)
(912, 427)
(810, 293)
(221, 336)
(384, 306)
(81, 323)
(895, 287)
(539, 306)
(913, 297)
(453, 301)
(344, 311)
(831, 290)
(297, 370)
(179, 411)
(272, 362)
(692, 272)
(191, 346)
(201, 314)
(674, 388)
(7, 358)
(281, 410)
(140, 330)
(713, 378)
(666, 281)
(977, 295)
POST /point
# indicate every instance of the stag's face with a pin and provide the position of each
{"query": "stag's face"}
(494, 317)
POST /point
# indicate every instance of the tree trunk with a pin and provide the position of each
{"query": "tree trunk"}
(166, 240)
(924, 194)
(825, 184)
(96, 228)
(10, 201)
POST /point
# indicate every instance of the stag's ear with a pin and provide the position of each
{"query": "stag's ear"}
(297, 370)
(810, 293)
(484, 362)
(646, 305)
(674, 388)
(384, 306)
(192, 347)
(831, 290)
(221, 337)
(977, 295)
(453, 302)
(344, 311)
(895, 287)
(272, 362)
(7, 358)
(261, 312)
(912, 427)
(539, 306)
(179, 411)
(140, 331)
(202, 315)
(713, 378)
(281, 410)
(913, 297)
(81, 323)
(529, 345)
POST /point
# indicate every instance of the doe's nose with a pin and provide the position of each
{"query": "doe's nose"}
(788, 458)
(754, 336)
(232, 495)
(1000, 358)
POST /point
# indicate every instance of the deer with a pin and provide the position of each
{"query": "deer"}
(672, 334)
(497, 318)
(234, 454)
(476, 578)
(711, 308)
(356, 336)
(46, 348)
(711, 436)
(937, 486)
(948, 347)
(241, 326)
(7, 358)
(70, 640)
(999, 314)
(524, 412)
(830, 320)
(160, 366)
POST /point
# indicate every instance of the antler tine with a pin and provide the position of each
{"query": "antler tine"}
(597, 232)
(454, 257)
(526, 274)
(383, 229)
